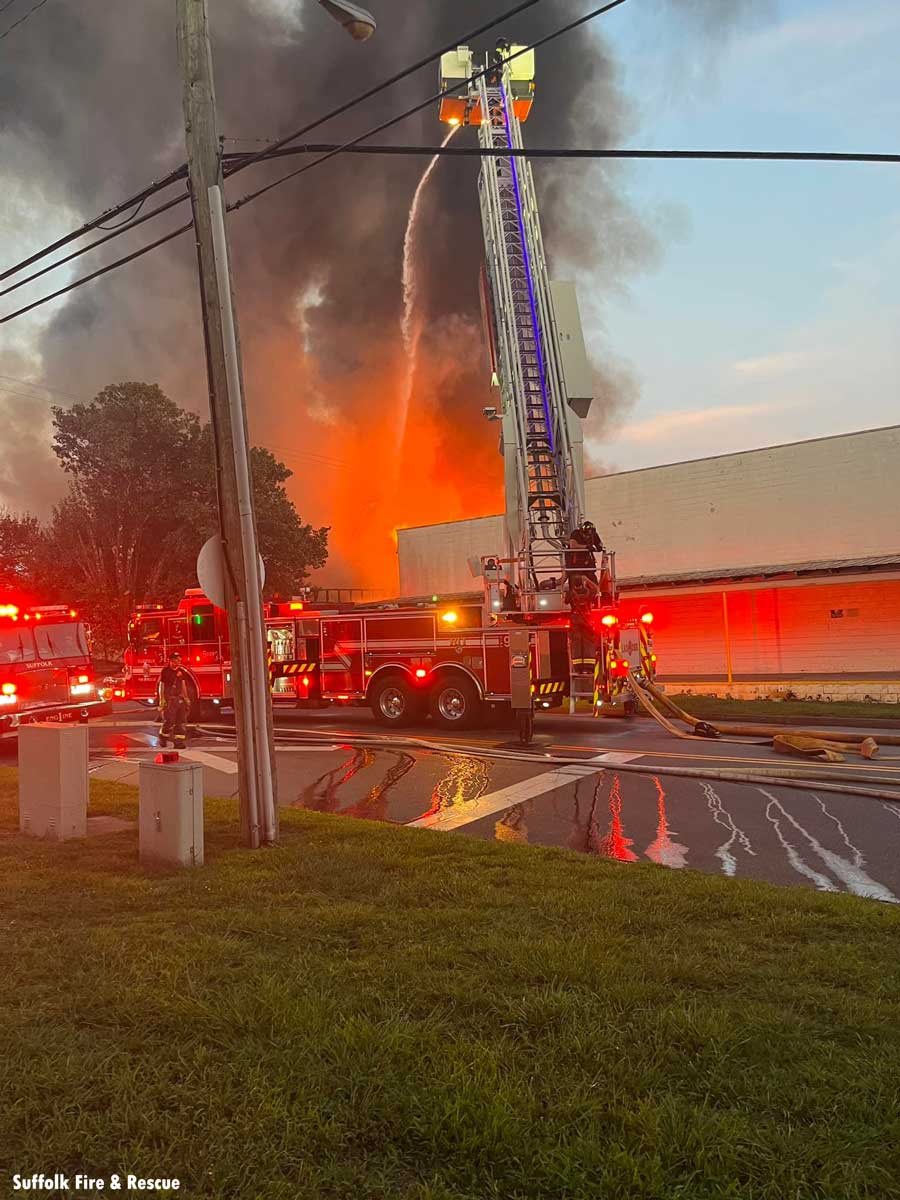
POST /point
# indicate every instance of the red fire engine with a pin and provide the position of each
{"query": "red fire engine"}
(46, 672)
(402, 662)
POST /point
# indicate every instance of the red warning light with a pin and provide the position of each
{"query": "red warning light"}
(609, 619)
(647, 618)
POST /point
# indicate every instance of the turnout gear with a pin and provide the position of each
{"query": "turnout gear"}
(174, 702)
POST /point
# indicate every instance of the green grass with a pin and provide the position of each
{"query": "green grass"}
(706, 706)
(370, 1012)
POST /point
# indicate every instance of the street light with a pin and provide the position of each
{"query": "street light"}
(358, 22)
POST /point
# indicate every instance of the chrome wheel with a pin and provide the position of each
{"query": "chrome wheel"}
(452, 704)
(392, 703)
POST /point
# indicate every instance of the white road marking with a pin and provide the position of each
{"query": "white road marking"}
(214, 761)
(517, 793)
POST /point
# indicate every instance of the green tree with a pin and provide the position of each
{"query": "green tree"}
(143, 501)
(20, 542)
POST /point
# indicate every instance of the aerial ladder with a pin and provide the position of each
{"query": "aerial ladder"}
(536, 341)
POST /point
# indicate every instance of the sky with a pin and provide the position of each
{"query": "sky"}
(727, 305)
(771, 314)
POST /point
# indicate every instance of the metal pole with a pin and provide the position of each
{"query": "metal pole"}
(260, 696)
(252, 702)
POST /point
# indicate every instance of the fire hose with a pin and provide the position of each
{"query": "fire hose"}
(821, 744)
(806, 778)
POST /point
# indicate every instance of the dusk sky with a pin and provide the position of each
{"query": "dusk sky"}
(772, 314)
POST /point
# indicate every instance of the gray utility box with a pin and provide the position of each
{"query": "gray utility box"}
(170, 820)
(53, 780)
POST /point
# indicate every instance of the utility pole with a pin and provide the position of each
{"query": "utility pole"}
(237, 522)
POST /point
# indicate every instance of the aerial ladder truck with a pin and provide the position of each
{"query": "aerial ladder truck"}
(541, 367)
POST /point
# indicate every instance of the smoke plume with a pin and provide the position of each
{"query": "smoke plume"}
(92, 106)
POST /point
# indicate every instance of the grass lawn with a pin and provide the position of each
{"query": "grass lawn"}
(372, 1012)
(766, 710)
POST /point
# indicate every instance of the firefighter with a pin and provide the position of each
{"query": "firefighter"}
(581, 595)
(580, 560)
(174, 701)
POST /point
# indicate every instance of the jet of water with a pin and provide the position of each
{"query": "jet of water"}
(411, 321)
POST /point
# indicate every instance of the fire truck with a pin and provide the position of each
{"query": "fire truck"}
(453, 659)
(441, 660)
(46, 673)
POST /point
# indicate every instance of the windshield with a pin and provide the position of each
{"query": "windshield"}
(146, 632)
(16, 646)
(65, 640)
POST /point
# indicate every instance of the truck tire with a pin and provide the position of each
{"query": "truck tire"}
(394, 702)
(454, 702)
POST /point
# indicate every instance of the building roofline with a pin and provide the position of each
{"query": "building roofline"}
(831, 437)
(683, 462)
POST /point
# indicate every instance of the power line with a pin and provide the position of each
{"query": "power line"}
(119, 262)
(181, 172)
(348, 146)
(44, 387)
(401, 75)
(537, 152)
(107, 214)
(21, 20)
(116, 232)
(130, 217)
(236, 204)
(283, 141)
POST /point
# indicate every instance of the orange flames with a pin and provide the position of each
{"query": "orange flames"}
(358, 472)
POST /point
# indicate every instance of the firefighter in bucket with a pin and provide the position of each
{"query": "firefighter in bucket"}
(174, 702)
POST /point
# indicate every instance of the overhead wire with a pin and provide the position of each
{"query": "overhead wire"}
(577, 153)
(472, 36)
(22, 19)
(474, 77)
(252, 196)
(275, 149)
(150, 190)
(181, 172)
(117, 231)
(130, 217)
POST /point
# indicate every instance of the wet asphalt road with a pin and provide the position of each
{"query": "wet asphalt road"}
(832, 842)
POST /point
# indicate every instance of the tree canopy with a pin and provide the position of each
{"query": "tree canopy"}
(141, 503)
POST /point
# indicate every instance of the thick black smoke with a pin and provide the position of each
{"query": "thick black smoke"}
(91, 106)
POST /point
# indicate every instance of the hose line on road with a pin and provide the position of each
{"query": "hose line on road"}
(822, 745)
(804, 778)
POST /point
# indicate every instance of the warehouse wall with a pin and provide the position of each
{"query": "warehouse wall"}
(434, 558)
(829, 498)
(816, 631)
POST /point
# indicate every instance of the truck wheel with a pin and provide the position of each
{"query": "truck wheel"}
(455, 703)
(394, 702)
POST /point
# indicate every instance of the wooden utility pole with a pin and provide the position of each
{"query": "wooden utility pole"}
(243, 599)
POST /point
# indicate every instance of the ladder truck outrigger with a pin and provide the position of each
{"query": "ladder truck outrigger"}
(540, 366)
